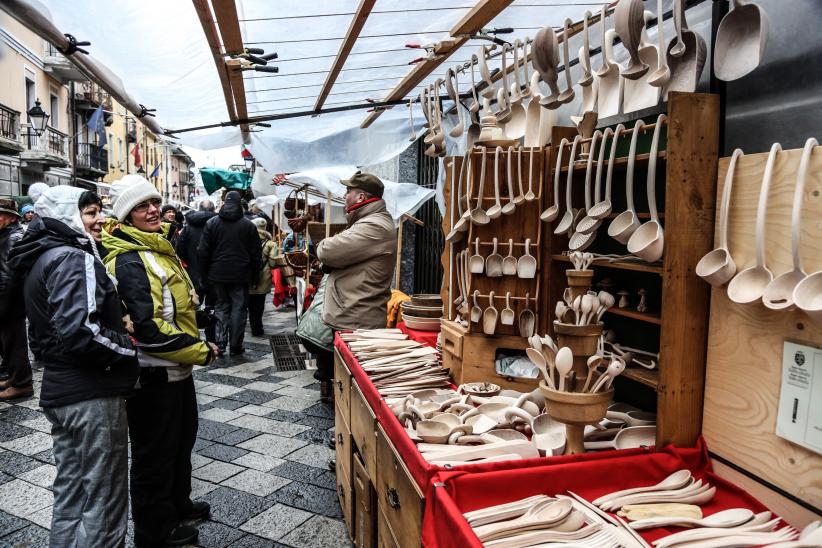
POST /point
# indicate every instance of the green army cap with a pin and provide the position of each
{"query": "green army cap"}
(366, 182)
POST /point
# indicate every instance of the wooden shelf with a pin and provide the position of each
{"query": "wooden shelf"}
(637, 267)
(648, 377)
(633, 314)
(640, 159)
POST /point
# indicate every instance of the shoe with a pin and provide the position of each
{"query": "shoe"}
(13, 393)
(238, 351)
(258, 333)
(199, 509)
(182, 535)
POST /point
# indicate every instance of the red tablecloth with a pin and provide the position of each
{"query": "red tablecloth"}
(457, 492)
(420, 469)
(428, 338)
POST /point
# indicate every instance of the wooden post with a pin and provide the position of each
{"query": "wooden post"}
(328, 214)
(398, 266)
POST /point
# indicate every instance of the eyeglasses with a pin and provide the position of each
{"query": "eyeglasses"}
(142, 207)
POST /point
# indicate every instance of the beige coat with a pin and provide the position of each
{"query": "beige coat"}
(270, 254)
(361, 259)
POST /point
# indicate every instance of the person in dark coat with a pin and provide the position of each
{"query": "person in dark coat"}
(187, 243)
(13, 344)
(89, 367)
(91, 213)
(230, 254)
(169, 214)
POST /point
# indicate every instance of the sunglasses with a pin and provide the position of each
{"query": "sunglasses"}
(142, 207)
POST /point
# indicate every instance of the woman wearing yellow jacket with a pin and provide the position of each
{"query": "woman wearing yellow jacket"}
(159, 299)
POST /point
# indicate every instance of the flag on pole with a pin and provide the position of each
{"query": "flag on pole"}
(97, 124)
(138, 161)
(156, 172)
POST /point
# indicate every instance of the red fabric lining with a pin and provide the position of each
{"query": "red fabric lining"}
(444, 526)
(428, 338)
(419, 468)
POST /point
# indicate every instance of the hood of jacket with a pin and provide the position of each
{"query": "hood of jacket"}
(199, 218)
(232, 209)
(44, 233)
(126, 238)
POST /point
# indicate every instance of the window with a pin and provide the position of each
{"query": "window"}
(54, 109)
(31, 95)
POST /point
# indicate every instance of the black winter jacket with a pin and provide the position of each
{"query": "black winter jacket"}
(75, 316)
(10, 306)
(230, 250)
(187, 243)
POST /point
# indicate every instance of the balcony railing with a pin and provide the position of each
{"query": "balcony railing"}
(89, 92)
(50, 142)
(92, 157)
(131, 130)
(9, 124)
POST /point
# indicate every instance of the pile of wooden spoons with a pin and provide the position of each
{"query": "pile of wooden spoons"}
(679, 487)
(586, 309)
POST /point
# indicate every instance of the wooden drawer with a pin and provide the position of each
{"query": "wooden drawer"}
(454, 364)
(478, 356)
(346, 496)
(398, 495)
(342, 387)
(385, 536)
(364, 429)
(344, 445)
(452, 336)
(365, 515)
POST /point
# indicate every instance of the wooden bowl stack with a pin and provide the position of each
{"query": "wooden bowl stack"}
(423, 312)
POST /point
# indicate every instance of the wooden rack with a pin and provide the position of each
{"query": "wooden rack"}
(676, 323)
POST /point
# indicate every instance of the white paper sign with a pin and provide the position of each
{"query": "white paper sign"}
(800, 399)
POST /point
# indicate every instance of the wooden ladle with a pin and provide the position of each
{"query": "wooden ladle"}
(749, 285)
(566, 222)
(568, 95)
(496, 210)
(648, 240)
(717, 267)
(627, 222)
(478, 214)
(778, 294)
(601, 208)
(629, 22)
(552, 212)
(581, 240)
(510, 206)
(662, 74)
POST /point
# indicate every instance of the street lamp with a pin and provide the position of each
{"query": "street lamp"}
(37, 118)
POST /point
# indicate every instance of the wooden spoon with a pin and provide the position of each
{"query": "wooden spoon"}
(587, 77)
(452, 87)
(628, 20)
(509, 263)
(662, 74)
(740, 41)
(564, 364)
(568, 95)
(530, 196)
(507, 316)
(476, 264)
(493, 263)
(648, 240)
(541, 515)
(627, 222)
(677, 480)
(489, 317)
(724, 518)
(510, 206)
(539, 360)
(478, 214)
(476, 311)
(567, 219)
(526, 319)
(527, 263)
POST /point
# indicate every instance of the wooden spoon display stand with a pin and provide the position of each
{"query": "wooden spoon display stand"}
(523, 223)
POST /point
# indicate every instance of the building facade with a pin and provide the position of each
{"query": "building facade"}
(68, 151)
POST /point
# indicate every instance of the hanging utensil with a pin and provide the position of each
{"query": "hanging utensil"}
(473, 110)
(515, 128)
(520, 198)
(490, 91)
(611, 85)
(476, 311)
(747, 286)
(504, 114)
(510, 206)
(509, 263)
(489, 317)
(413, 136)
(778, 295)
(452, 87)
(580, 241)
(493, 263)
(539, 121)
(648, 241)
(463, 223)
(568, 95)
(530, 196)
(640, 94)
(686, 55)
(590, 223)
(568, 217)
(478, 215)
(527, 264)
(507, 316)
(628, 20)
(740, 41)
(662, 74)
(496, 210)
(526, 318)
(456, 234)
(551, 213)
(717, 267)
(545, 55)
(627, 222)
(587, 77)
(476, 264)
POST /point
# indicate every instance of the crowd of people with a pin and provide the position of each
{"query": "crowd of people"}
(117, 311)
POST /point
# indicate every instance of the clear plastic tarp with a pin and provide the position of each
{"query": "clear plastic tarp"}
(159, 50)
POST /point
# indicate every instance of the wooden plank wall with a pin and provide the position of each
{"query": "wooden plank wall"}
(744, 360)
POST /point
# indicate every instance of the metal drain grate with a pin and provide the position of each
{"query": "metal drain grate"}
(284, 340)
(289, 363)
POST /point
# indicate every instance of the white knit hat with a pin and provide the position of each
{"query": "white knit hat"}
(60, 203)
(130, 191)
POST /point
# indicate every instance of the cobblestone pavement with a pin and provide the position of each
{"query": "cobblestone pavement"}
(260, 459)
